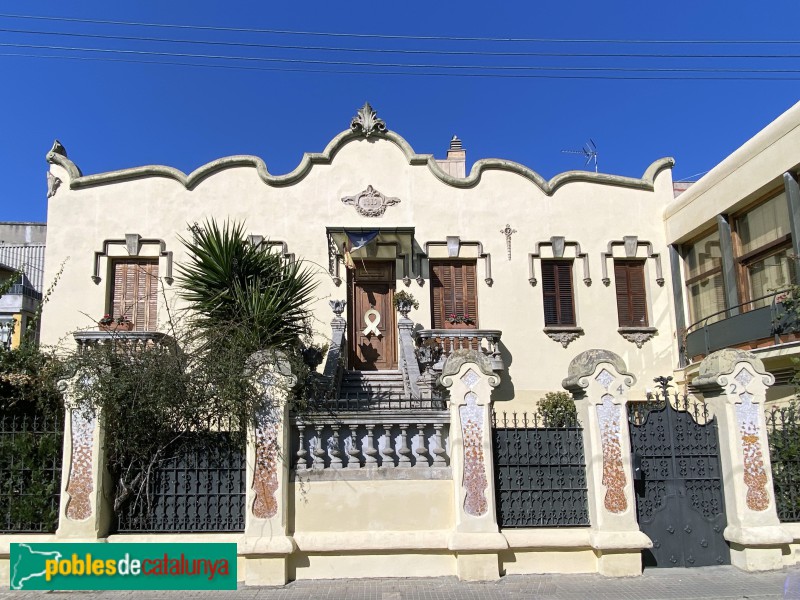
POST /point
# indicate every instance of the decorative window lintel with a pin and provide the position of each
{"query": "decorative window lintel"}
(454, 243)
(631, 244)
(260, 240)
(558, 244)
(133, 243)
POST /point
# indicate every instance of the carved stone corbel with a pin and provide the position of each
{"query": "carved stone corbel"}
(53, 183)
(638, 335)
(564, 335)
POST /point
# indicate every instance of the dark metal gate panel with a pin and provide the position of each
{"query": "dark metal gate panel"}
(540, 474)
(679, 495)
(200, 488)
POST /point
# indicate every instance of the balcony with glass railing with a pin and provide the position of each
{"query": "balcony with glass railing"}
(761, 322)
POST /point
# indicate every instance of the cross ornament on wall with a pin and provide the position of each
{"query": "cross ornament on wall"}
(508, 232)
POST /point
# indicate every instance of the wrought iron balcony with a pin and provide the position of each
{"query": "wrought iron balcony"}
(434, 346)
(736, 327)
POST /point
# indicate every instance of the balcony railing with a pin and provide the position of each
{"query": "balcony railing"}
(20, 289)
(449, 340)
(131, 339)
(362, 443)
(732, 327)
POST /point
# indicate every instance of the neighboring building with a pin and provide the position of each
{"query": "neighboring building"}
(734, 236)
(22, 249)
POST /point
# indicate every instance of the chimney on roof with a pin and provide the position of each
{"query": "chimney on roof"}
(456, 162)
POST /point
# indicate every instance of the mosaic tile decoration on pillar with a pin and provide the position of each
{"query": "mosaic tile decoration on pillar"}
(475, 480)
(755, 474)
(608, 415)
(265, 477)
(80, 484)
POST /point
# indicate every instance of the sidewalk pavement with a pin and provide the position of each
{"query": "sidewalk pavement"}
(706, 582)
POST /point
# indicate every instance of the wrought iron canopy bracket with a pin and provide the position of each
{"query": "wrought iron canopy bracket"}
(631, 244)
(487, 258)
(558, 244)
(133, 243)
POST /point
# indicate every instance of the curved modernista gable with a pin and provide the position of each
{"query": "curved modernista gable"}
(77, 180)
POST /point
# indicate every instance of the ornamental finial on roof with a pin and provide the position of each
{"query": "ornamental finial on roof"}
(366, 121)
(58, 148)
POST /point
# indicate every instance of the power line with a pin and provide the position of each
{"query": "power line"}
(399, 65)
(386, 36)
(392, 50)
(406, 73)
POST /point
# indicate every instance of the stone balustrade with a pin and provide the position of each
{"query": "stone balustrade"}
(443, 342)
(368, 443)
(131, 339)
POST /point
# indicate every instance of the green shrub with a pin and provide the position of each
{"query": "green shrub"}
(557, 409)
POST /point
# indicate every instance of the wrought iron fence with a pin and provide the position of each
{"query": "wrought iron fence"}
(200, 488)
(540, 472)
(783, 430)
(30, 472)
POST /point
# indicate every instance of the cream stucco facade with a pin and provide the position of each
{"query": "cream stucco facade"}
(371, 521)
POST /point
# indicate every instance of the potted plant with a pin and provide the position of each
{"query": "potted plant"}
(459, 321)
(404, 302)
(109, 323)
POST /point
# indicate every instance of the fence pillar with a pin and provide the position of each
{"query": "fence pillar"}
(266, 544)
(734, 384)
(476, 537)
(85, 508)
(599, 383)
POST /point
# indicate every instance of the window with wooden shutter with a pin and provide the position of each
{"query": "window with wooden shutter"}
(134, 294)
(559, 304)
(454, 294)
(631, 296)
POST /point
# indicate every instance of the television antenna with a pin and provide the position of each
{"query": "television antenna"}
(589, 150)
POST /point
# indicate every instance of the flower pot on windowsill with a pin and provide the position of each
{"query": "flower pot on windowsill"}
(117, 327)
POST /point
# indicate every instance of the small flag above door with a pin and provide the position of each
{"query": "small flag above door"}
(359, 239)
(355, 241)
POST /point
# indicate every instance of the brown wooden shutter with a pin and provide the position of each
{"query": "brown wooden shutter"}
(631, 295)
(559, 307)
(442, 300)
(470, 292)
(135, 293)
(454, 291)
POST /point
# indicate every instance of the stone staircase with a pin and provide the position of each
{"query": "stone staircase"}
(365, 384)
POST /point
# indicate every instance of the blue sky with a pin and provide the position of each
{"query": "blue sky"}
(113, 115)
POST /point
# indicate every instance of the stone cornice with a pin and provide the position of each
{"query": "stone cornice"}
(78, 181)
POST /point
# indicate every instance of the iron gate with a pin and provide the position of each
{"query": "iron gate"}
(679, 495)
(540, 473)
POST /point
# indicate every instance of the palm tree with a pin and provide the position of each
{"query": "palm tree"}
(248, 293)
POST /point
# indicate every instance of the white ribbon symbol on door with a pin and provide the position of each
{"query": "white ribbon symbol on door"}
(372, 324)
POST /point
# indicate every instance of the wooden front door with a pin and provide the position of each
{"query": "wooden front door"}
(370, 308)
